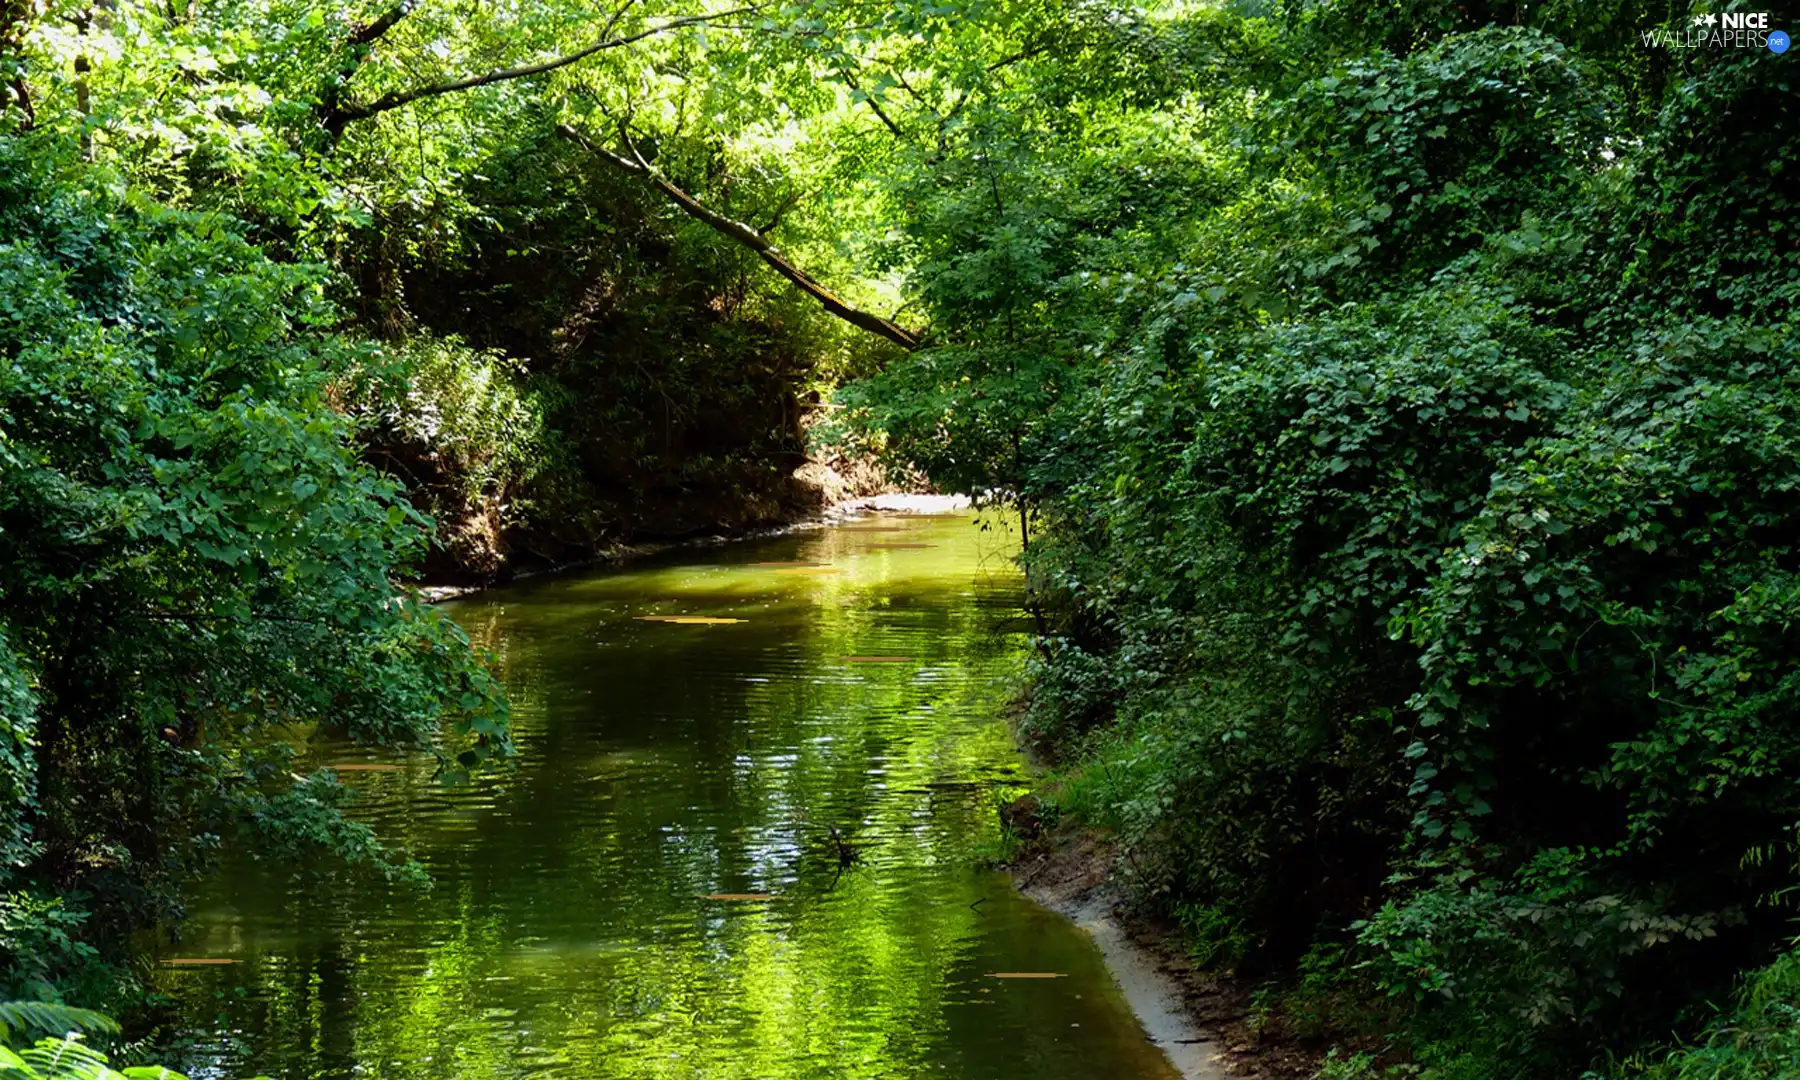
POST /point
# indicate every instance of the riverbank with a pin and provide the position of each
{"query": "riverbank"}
(834, 513)
(1205, 1022)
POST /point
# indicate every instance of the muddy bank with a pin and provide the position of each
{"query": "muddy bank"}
(847, 509)
(1203, 1022)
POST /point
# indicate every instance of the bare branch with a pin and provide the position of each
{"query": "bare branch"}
(339, 118)
(745, 235)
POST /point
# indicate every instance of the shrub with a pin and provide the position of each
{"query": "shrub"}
(190, 554)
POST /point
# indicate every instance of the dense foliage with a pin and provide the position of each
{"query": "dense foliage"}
(660, 377)
(60, 1052)
(190, 554)
(1406, 409)
(256, 330)
(1398, 399)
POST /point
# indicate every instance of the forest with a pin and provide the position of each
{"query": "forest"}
(1399, 400)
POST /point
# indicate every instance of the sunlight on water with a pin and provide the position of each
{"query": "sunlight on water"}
(739, 843)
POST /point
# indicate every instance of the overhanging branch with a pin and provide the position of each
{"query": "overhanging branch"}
(747, 236)
(339, 117)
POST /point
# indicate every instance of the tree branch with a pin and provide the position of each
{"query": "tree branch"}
(1023, 54)
(15, 23)
(367, 35)
(613, 23)
(743, 234)
(22, 97)
(850, 80)
(962, 98)
(353, 54)
(338, 118)
(788, 202)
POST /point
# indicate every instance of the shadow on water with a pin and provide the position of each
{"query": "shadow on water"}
(727, 850)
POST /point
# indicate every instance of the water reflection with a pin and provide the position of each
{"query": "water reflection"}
(655, 890)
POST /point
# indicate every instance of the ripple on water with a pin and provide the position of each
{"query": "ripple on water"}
(598, 910)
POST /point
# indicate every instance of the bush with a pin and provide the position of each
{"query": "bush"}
(190, 554)
(63, 1054)
(1758, 1040)
(459, 428)
(1415, 539)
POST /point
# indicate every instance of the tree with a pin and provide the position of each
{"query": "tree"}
(189, 553)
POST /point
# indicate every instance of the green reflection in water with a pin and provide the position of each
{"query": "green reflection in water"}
(570, 934)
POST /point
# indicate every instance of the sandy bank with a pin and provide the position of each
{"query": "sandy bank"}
(1200, 1020)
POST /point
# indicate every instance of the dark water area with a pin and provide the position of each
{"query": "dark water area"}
(576, 928)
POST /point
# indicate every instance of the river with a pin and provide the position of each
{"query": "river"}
(652, 889)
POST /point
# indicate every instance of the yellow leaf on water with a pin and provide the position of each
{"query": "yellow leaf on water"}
(689, 620)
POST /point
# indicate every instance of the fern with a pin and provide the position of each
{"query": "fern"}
(67, 1058)
(18, 1018)
(12, 1066)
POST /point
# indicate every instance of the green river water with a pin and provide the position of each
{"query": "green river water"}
(571, 931)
